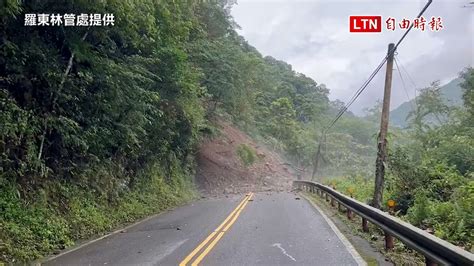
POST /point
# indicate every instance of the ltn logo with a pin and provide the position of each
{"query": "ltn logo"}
(365, 23)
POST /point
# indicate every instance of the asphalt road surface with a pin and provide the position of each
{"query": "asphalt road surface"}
(254, 229)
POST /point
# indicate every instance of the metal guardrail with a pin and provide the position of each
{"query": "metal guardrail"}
(435, 250)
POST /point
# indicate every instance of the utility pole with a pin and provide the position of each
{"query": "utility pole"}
(316, 161)
(318, 156)
(382, 138)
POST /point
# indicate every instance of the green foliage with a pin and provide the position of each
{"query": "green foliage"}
(62, 212)
(468, 92)
(247, 154)
(442, 201)
(450, 220)
(420, 212)
(359, 187)
(429, 107)
(85, 138)
(124, 89)
(430, 174)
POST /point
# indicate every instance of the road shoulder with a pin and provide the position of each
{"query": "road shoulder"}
(364, 249)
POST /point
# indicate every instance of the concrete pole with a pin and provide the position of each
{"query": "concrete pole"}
(382, 139)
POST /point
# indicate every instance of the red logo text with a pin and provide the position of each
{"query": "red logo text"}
(365, 23)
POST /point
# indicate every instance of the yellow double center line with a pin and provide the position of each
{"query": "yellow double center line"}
(216, 235)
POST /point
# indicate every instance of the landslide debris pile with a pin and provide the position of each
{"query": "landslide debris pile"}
(222, 169)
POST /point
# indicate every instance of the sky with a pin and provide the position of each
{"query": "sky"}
(314, 37)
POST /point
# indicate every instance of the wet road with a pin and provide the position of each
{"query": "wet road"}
(253, 229)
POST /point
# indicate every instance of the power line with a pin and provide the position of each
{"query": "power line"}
(410, 79)
(363, 87)
(411, 26)
(403, 85)
(374, 73)
(356, 95)
(406, 72)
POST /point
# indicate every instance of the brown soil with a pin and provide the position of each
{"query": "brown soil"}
(221, 171)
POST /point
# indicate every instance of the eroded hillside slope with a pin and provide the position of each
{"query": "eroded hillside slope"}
(221, 170)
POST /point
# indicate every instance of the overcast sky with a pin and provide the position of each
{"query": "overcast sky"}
(314, 37)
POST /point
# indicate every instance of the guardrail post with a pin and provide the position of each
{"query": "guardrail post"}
(349, 214)
(429, 262)
(388, 241)
(333, 202)
(365, 225)
(339, 208)
(327, 197)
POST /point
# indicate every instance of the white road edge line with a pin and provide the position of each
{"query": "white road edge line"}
(359, 260)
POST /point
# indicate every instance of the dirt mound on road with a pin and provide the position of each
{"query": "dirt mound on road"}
(222, 171)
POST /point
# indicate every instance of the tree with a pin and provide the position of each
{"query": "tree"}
(429, 103)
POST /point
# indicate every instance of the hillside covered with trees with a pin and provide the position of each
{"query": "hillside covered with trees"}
(430, 166)
(99, 126)
(450, 94)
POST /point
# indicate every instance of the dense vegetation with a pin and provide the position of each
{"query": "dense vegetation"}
(431, 175)
(99, 125)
